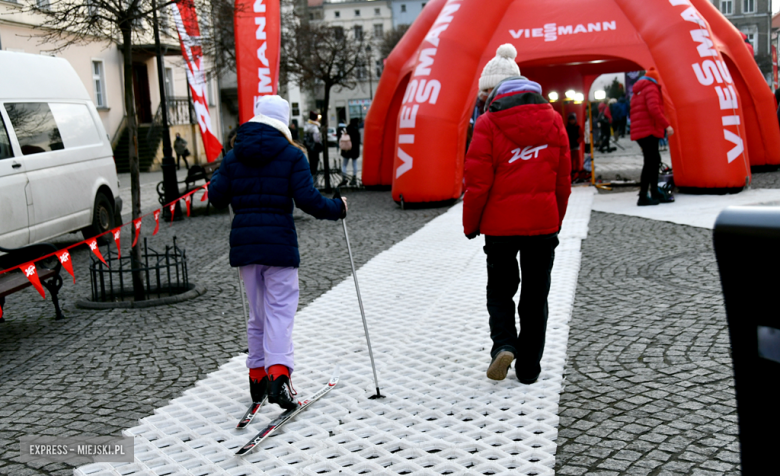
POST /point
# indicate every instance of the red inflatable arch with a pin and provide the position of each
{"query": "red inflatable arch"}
(721, 108)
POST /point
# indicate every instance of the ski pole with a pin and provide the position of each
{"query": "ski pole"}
(360, 302)
(240, 281)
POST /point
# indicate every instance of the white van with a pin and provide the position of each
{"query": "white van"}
(57, 171)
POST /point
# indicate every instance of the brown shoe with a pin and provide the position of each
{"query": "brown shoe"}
(499, 366)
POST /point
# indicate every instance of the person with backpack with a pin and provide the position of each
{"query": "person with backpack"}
(262, 179)
(349, 143)
(312, 140)
(648, 126)
(604, 122)
(517, 174)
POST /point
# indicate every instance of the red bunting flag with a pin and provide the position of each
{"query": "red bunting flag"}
(205, 194)
(157, 222)
(64, 257)
(187, 200)
(172, 208)
(137, 229)
(1, 312)
(32, 274)
(117, 233)
(92, 243)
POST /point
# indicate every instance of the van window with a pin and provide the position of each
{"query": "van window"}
(35, 127)
(75, 123)
(5, 142)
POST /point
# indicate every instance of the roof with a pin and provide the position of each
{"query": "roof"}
(776, 21)
(315, 3)
(38, 77)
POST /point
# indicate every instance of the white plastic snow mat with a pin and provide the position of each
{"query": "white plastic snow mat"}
(693, 210)
(425, 305)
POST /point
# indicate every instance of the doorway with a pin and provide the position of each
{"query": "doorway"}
(143, 101)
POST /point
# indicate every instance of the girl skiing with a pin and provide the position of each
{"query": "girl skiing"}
(260, 178)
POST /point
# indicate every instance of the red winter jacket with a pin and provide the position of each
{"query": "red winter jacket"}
(647, 111)
(517, 169)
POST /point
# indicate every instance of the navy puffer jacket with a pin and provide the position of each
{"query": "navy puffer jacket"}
(260, 178)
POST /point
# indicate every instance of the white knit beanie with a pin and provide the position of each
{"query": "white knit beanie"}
(499, 68)
(274, 107)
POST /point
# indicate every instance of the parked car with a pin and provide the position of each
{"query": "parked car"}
(57, 172)
(332, 139)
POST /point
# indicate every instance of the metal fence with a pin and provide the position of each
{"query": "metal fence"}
(165, 274)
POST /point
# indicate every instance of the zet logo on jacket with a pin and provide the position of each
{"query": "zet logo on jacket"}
(527, 153)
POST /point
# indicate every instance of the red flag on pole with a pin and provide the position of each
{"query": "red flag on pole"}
(64, 257)
(116, 233)
(92, 243)
(258, 32)
(137, 229)
(187, 200)
(32, 274)
(205, 194)
(156, 221)
(186, 20)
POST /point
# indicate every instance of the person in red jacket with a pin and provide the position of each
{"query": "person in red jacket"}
(518, 184)
(648, 125)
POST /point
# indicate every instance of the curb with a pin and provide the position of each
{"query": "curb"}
(195, 291)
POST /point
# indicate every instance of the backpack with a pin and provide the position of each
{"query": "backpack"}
(345, 142)
(311, 144)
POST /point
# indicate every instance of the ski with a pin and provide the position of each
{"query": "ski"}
(247, 418)
(287, 416)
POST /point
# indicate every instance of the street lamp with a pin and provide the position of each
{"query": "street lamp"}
(571, 94)
(553, 96)
(600, 95)
(370, 83)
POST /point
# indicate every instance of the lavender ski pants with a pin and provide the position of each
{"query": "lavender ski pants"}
(273, 299)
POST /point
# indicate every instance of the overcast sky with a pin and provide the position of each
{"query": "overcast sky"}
(775, 6)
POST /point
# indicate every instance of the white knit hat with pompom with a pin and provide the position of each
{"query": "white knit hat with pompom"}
(499, 68)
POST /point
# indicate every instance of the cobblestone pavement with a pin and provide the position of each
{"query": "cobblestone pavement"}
(98, 372)
(625, 163)
(649, 384)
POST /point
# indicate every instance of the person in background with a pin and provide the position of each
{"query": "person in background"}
(574, 131)
(312, 139)
(604, 123)
(353, 154)
(648, 126)
(180, 147)
(262, 179)
(518, 182)
(294, 130)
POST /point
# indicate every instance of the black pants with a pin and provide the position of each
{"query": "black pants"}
(178, 161)
(537, 254)
(652, 162)
(314, 162)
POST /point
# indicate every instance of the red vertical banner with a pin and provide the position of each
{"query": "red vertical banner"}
(774, 67)
(67, 263)
(32, 274)
(156, 222)
(92, 243)
(186, 20)
(136, 229)
(258, 34)
(117, 233)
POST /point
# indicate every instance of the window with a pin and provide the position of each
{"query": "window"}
(168, 83)
(752, 35)
(379, 67)
(749, 6)
(296, 110)
(337, 14)
(99, 82)
(75, 124)
(379, 31)
(34, 126)
(357, 13)
(403, 8)
(727, 7)
(43, 4)
(92, 9)
(361, 72)
(5, 142)
(358, 32)
(423, 5)
(377, 11)
(338, 32)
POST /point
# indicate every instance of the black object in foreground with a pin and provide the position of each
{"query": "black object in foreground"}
(287, 416)
(250, 413)
(746, 241)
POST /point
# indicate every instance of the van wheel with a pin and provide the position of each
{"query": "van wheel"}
(102, 219)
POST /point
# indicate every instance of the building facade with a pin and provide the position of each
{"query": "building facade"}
(754, 19)
(406, 11)
(100, 66)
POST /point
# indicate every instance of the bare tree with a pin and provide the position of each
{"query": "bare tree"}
(71, 22)
(315, 53)
(391, 38)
